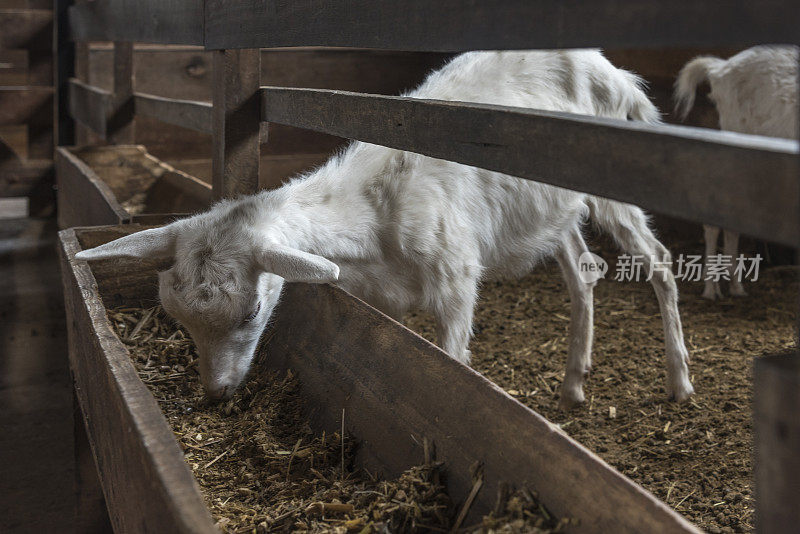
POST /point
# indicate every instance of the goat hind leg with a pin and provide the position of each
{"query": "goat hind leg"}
(581, 322)
(636, 238)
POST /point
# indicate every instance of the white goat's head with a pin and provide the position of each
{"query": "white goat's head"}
(223, 285)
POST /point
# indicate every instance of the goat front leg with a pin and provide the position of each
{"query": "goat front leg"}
(711, 291)
(581, 321)
(730, 248)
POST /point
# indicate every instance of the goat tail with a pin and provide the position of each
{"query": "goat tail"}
(692, 74)
(639, 107)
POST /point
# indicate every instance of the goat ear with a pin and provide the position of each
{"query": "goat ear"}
(297, 266)
(156, 243)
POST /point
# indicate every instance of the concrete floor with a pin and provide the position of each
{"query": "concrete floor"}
(36, 429)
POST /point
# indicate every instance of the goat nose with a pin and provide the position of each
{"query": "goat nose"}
(217, 393)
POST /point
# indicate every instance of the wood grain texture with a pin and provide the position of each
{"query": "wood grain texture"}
(702, 175)
(144, 21)
(397, 389)
(457, 25)
(26, 178)
(90, 106)
(32, 106)
(189, 114)
(29, 29)
(13, 67)
(120, 116)
(776, 421)
(146, 483)
(236, 142)
(84, 199)
(89, 198)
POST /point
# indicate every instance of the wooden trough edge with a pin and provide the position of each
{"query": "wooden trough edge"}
(395, 387)
(89, 196)
(146, 483)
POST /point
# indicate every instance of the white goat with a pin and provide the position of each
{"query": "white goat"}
(755, 92)
(404, 231)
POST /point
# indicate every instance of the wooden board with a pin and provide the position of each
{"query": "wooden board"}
(702, 175)
(14, 141)
(32, 106)
(144, 21)
(93, 188)
(84, 199)
(395, 387)
(456, 25)
(13, 67)
(139, 462)
(184, 72)
(30, 29)
(26, 178)
(90, 106)
(776, 425)
(189, 114)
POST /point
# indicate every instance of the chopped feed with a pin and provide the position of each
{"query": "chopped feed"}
(261, 468)
(695, 456)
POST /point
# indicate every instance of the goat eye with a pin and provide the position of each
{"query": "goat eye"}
(253, 315)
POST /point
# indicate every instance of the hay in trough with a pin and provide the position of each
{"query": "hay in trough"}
(262, 468)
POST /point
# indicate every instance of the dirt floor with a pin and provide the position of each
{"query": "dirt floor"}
(694, 456)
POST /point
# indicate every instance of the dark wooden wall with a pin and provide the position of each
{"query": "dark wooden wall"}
(26, 102)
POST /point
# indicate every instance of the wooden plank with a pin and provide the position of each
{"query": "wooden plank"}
(457, 25)
(183, 72)
(776, 422)
(120, 116)
(13, 67)
(14, 141)
(18, 105)
(31, 105)
(236, 136)
(89, 106)
(84, 199)
(26, 4)
(701, 175)
(398, 389)
(143, 21)
(26, 178)
(189, 114)
(139, 462)
(26, 29)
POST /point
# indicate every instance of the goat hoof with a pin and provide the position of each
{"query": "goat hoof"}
(569, 401)
(681, 393)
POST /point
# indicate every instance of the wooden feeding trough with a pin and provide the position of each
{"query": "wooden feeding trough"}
(122, 184)
(396, 388)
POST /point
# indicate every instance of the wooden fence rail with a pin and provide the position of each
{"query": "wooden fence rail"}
(701, 175)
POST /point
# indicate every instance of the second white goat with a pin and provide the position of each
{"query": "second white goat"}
(404, 231)
(755, 92)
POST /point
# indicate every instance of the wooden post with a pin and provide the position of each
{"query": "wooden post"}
(237, 122)
(120, 118)
(776, 417)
